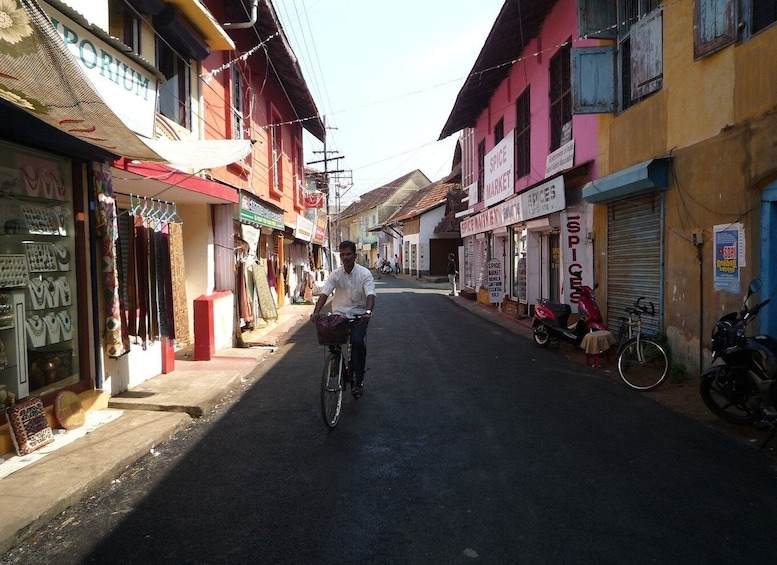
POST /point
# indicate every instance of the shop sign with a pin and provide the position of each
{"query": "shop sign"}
(543, 199)
(255, 212)
(501, 215)
(304, 229)
(561, 159)
(314, 199)
(729, 252)
(127, 88)
(574, 251)
(319, 232)
(495, 281)
(498, 176)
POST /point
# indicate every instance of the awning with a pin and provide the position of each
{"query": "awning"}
(39, 75)
(157, 180)
(200, 154)
(643, 177)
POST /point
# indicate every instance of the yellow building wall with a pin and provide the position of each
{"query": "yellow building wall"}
(716, 118)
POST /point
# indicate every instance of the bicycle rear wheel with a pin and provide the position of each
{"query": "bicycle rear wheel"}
(643, 365)
(332, 386)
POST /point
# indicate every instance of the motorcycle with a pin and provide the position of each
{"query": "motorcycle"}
(551, 319)
(385, 269)
(743, 389)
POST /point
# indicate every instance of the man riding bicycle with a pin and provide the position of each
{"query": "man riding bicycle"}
(354, 295)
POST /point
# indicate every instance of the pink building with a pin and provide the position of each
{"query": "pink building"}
(526, 159)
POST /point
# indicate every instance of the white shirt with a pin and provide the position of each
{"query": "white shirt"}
(350, 290)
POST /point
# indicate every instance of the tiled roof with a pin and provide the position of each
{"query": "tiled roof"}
(377, 196)
(425, 199)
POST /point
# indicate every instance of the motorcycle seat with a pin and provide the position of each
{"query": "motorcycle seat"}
(560, 311)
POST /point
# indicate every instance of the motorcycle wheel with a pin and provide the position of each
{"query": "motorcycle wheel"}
(726, 394)
(541, 336)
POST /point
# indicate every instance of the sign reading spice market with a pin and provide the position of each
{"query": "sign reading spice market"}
(495, 289)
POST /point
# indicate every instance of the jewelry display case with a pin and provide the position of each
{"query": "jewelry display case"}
(37, 278)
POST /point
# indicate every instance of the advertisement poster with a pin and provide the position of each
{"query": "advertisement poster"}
(495, 285)
(729, 244)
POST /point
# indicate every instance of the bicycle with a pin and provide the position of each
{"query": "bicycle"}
(643, 363)
(334, 332)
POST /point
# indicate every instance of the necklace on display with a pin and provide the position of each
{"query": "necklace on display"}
(64, 288)
(37, 290)
(65, 321)
(63, 255)
(52, 323)
(35, 325)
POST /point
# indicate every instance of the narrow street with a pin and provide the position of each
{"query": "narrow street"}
(470, 445)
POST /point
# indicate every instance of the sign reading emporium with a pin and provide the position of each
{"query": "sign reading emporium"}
(128, 89)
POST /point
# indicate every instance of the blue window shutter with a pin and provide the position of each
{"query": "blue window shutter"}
(597, 19)
(714, 25)
(593, 80)
(647, 54)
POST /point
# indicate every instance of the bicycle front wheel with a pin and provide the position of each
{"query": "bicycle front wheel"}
(332, 386)
(643, 364)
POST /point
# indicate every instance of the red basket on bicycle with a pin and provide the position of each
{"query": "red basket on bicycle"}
(332, 330)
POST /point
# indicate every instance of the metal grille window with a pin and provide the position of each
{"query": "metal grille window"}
(560, 94)
(481, 169)
(239, 129)
(631, 11)
(499, 131)
(275, 157)
(176, 93)
(522, 135)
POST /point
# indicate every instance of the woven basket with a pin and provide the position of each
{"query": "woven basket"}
(332, 330)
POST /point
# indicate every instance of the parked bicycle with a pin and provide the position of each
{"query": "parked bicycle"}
(334, 332)
(643, 363)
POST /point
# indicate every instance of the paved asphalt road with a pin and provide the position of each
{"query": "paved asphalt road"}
(471, 445)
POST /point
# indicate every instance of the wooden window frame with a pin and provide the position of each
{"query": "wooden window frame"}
(523, 134)
(275, 153)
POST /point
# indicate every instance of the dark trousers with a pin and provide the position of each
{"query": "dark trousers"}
(359, 348)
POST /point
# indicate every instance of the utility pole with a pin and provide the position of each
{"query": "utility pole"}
(327, 172)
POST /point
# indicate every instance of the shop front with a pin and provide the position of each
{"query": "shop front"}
(634, 199)
(539, 240)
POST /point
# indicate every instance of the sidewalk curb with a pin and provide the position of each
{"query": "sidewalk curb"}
(28, 501)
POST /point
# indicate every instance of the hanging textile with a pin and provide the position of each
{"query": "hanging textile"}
(141, 281)
(263, 293)
(116, 336)
(245, 306)
(164, 298)
(178, 284)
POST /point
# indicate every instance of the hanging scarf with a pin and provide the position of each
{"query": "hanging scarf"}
(178, 284)
(116, 333)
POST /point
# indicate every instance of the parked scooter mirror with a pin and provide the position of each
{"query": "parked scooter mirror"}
(753, 287)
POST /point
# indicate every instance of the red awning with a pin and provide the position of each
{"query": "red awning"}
(156, 180)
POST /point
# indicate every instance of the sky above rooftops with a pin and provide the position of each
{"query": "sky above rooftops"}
(385, 75)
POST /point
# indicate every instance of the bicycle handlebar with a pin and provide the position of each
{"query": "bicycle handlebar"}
(651, 311)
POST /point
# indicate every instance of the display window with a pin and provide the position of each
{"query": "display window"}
(38, 316)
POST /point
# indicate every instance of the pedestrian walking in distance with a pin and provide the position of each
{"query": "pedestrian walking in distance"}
(452, 273)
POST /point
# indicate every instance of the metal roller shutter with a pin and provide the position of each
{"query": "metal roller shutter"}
(635, 257)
